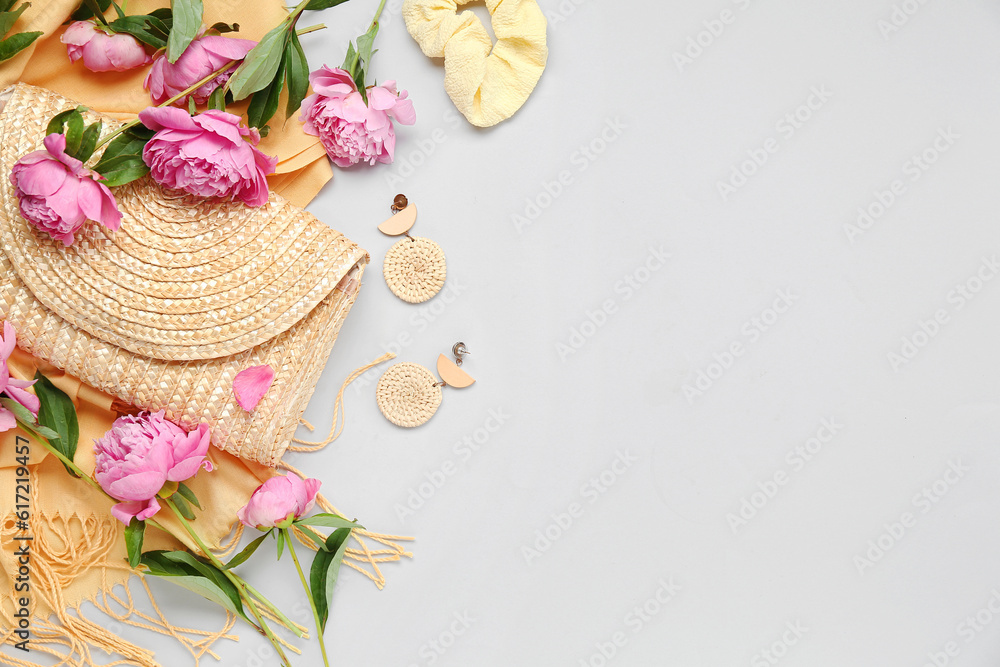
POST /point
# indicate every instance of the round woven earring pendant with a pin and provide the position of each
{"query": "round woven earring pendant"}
(408, 394)
(414, 269)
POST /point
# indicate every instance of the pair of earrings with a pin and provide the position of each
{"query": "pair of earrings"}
(414, 268)
(408, 394)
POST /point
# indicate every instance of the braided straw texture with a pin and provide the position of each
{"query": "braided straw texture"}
(414, 269)
(408, 394)
(167, 310)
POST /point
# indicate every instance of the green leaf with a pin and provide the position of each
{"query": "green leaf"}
(141, 27)
(315, 5)
(349, 59)
(74, 133)
(188, 494)
(133, 541)
(281, 543)
(328, 520)
(58, 413)
(185, 570)
(359, 81)
(297, 74)
(217, 100)
(187, 23)
(365, 44)
(26, 420)
(5, 5)
(223, 28)
(182, 506)
(91, 8)
(8, 19)
(21, 413)
(121, 169)
(89, 142)
(261, 64)
(248, 550)
(264, 103)
(324, 571)
(118, 9)
(192, 107)
(130, 142)
(58, 121)
(14, 44)
(316, 537)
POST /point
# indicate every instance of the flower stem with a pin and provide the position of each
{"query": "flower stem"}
(173, 99)
(312, 28)
(305, 587)
(237, 581)
(378, 13)
(285, 621)
(65, 461)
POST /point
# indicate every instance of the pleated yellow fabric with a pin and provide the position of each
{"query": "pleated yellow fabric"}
(302, 168)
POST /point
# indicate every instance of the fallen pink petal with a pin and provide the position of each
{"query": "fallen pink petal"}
(251, 384)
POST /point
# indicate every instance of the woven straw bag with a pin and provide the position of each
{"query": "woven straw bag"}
(163, 313)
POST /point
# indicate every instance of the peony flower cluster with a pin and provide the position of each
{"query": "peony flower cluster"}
(103, 52)
(202, 57)
(140, 455)
(12, 387)
(57, 194)
(207, 155)
(350, 130)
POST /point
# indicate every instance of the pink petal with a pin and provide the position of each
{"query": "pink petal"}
(9, 340)
(251, 384)
(142, 509)
(7, 420)
(380, 98)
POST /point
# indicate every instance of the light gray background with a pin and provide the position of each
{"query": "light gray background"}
(671, 134)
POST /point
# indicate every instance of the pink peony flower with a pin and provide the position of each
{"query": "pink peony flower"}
(140, 454)
(11, 387)
(206, 154)
(57, 194)
(351, 131)
(202, 57)
(279, 501)
(250, 385)
(102, 52)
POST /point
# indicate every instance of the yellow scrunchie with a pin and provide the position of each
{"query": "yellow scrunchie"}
(486, 87)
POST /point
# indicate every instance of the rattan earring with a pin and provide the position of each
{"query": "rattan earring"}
(408, 394)
(414, 267)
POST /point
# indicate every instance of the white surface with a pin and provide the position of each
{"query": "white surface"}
(522, 292)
